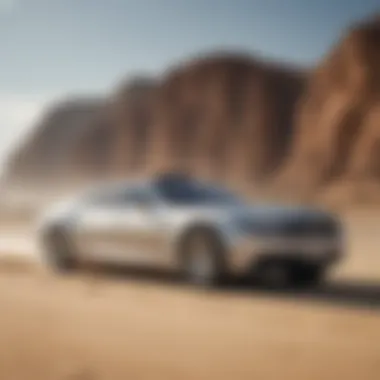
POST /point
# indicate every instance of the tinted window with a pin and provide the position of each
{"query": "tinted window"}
(121, 196)
(191, 192)
(106, 197)
(138, 195)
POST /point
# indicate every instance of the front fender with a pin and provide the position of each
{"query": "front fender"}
(219, 228)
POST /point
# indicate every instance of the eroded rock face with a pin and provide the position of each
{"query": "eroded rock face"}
(338, 120)
(228, 117)
(117, 144)
(47, 153)
(224, 116)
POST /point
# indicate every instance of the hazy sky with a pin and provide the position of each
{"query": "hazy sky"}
(49, 48)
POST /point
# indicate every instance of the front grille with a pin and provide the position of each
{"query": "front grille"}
(315, 229)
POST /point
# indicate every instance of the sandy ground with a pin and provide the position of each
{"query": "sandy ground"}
(142, 326)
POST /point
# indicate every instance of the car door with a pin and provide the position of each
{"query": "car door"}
(140, 228)
(123, 227)
(96, 225)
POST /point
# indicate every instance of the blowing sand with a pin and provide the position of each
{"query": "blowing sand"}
(98, 327)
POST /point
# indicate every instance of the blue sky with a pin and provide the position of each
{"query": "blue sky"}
(50, 48)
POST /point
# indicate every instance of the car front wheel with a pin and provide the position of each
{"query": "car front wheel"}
(202, 258)
(58, 253)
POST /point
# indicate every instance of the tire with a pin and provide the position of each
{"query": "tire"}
(307, 275)
(273, 274)
(58, 253)
(282, 274)
(202, 258)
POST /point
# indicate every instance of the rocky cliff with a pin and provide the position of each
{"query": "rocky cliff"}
(222, 116)
(230, 117)
(337, 129)
(46, 154)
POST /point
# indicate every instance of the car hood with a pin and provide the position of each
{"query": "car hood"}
(263, 213)
(271, 212)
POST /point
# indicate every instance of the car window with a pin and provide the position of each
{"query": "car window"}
(138, 195)
(191, 192)
(121, 196)
(105, 198)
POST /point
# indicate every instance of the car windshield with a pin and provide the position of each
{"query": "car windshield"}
(105, 194)
(192, 193)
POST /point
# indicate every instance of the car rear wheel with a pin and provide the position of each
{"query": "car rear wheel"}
(202, 258)
(58, 253)
(307, 275)
(284, 274)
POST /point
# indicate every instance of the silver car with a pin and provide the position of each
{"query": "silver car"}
(201, 230)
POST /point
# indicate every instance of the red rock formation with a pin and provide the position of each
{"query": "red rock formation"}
(224, 116)
(47, 153)
(230, 117)
(338, 121)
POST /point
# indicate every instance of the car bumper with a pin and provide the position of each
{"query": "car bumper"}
(246, 252)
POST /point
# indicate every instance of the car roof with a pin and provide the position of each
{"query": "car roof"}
(126, 184)
(113, 185)
(166, 178)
